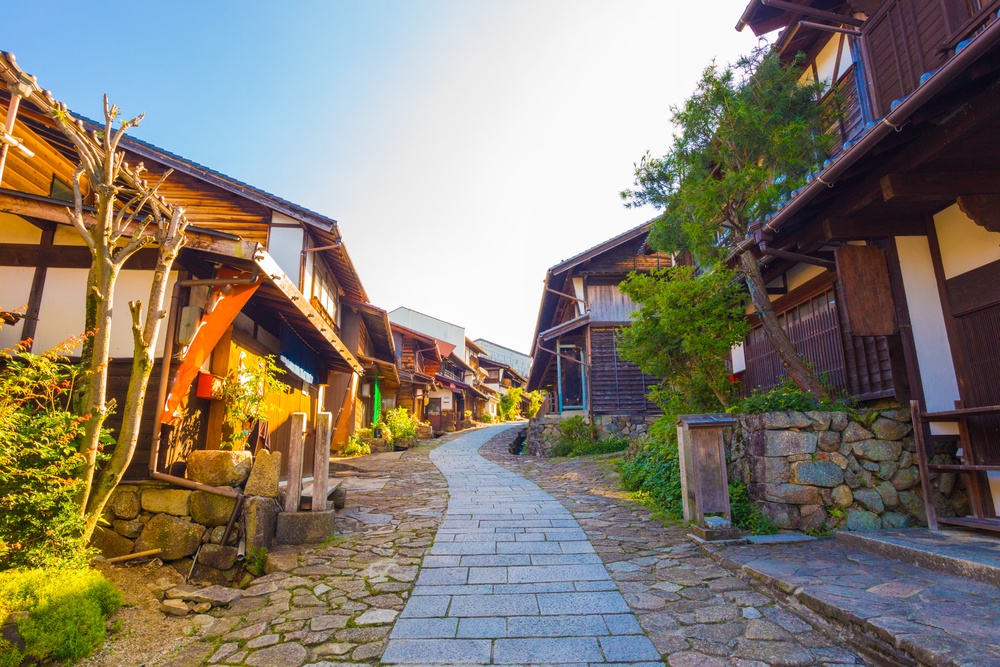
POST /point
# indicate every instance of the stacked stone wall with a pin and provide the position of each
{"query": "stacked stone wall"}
(543, 435)
(635, 427)
(858, 470)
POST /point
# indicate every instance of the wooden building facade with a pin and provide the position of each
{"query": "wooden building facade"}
(258, 275)
(575, 349)
(891, 252)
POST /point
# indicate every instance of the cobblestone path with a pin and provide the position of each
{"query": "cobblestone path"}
(696, 613)
(511, 579)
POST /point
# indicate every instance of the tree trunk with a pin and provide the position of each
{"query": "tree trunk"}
(100, 298)
(144, 335)
(791, 361)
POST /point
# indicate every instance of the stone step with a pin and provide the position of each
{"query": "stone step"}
(961, 553)
(891, 612)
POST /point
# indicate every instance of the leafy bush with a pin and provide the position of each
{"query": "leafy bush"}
(243, 392)
(787, 396)
(653, 470)
(578, 438)
(356, 447)
(397, 424)
(486, 418)
(40, 519)
(10, 656)
(510, 404)
(66, 610)
(746, 515)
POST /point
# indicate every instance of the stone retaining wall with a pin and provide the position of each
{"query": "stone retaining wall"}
(628, 426)
(815, 470)
(543, 435)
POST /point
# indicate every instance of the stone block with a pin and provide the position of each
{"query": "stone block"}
(895, 520)
(887, 429)
(219, 467)
(813, 517)
(906, 478)
(217, 533)
(260, 515)
(176, 537)
(914, 504)
(851, 479)
(110, 543)
(839, 421)
(217, 556)
(304, 527)
(905, 459)
(820, 420)
(877, 450)
(782, 515)
(887, 469)
(855, 432)
(784, 420)
(842, 496)
(890, 498)
(817, 473)
(125, 502)
(829, 441)
(129, 529)
(909, 444)
(901, 415)
(264, 475)
(770, 470)
(792, 494)
(840, 460)
(211, 509)
(166, 501)
(870, 500)
(862, 520)
(782, 443)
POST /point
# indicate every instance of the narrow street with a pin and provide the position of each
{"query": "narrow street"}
(511, 579)
(520, 561)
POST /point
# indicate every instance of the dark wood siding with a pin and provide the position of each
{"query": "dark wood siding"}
(859, 364)
(608, 304)
(903, 40)
(617, 387)
(980, 334)
(632, 256)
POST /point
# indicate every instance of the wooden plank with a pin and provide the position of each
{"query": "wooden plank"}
(974, 289)
(863, 276)
(939, 186)
(321, 461)
(293, 490)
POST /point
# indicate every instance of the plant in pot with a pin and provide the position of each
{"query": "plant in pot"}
(243, 392)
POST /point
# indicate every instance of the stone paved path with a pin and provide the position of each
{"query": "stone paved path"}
(511, 579)
(696, 613)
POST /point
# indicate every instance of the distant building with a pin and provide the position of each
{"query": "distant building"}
(519, 361)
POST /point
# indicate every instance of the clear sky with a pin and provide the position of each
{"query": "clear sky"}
(464, 146)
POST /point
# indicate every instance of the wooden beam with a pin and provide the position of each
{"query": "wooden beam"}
(36, 207)
(804, 259)
(867, 228)
(64, 256)
(984, 209)
(939, 185)
(815, 13)
(35, 295)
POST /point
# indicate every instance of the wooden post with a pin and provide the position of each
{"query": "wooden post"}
(293, 491)
(321, 461)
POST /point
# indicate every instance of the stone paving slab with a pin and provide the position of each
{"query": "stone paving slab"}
(695, 612)
(899, 610)
(511, 579)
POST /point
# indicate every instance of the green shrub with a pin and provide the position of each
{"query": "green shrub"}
(609, 445)
(535, 400)
(787, 396)
(653, 470)
(486, 418)
(10, 656)
(578, 438)
(66, 610)
(746, 515)
(40, 518)
(397, 424)
(255, 561)
(356, 447)
(510, 404)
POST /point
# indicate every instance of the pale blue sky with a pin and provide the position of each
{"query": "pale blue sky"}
(464, 145)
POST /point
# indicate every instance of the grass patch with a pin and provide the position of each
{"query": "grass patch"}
(66, 610)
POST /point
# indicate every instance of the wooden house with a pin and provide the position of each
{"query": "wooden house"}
(575, 348)
(258, 275)
(518, 361)
(887, 260)
(418, 360)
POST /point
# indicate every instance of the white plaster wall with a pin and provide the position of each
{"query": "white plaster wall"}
(826, 61)
(285, 244)
(739, 358)
(937, 369)
(67, 235)
(14, 229)
(16, 283)
(964, 244)
(61, 315)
